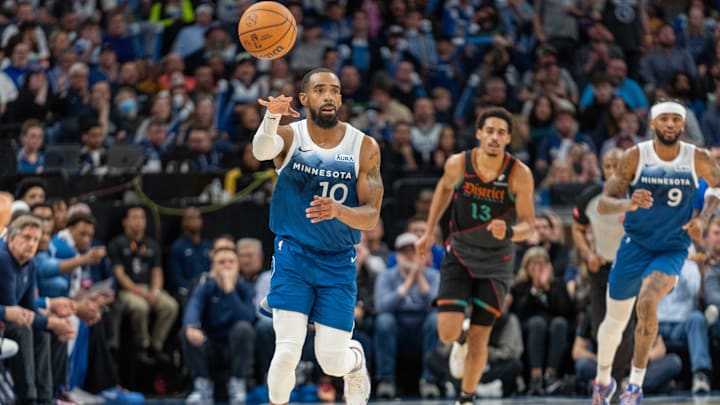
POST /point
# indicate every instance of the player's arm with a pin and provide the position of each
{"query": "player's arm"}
(370, 191)
(614, 198)
(272, 141)
(706, 168)
(523, 187)
(452, 174)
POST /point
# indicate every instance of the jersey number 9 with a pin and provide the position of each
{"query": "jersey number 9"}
(674, 197)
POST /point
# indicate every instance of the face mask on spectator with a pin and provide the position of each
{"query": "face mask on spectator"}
(128, 107)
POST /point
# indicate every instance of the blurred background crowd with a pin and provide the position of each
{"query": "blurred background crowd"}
(116, 115)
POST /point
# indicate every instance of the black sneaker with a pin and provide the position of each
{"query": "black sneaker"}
(553, 384)
(465, 399)
(536, 386)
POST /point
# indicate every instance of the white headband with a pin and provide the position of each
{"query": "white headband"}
(667, 107)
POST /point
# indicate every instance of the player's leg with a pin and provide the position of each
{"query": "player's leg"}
(334, 317)
(488, 296)
(290, 331)
(291, 298)
(624, 284)
(452, 301)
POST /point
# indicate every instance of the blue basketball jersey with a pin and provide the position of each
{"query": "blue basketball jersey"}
(673, 186)
(310, 170)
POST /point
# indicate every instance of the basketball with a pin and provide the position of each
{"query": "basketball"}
(267, 30)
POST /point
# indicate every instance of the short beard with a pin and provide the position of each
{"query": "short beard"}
(322, 121)
(665, 141)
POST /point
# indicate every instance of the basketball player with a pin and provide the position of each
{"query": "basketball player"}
(661, 177)
(328, 188)
(491, 191)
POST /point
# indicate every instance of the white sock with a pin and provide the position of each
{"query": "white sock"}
(637, 376)
(609, 335)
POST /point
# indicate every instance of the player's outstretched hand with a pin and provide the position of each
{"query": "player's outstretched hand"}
(498, 229)
(279, 105)
(322, 209)
(641, 199)
(694, 228)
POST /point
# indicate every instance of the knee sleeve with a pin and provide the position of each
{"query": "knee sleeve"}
(611, 329)
(332, 350)
(290, 330)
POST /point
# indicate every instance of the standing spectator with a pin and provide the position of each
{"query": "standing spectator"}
(544, 307)
(425, 134)
(192, 37)
(217, 327)
(31, 157)
(681, 324)
(554, 23)
(659, 65)
(137, 260)
(711, 120)
(627, 21)
(189, 254)
(403, 295)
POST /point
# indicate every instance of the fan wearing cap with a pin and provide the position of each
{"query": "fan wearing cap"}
(492, 207)
(655, 186)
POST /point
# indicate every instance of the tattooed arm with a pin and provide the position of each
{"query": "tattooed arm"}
(706, 168)
(369, 190)
(614, 197)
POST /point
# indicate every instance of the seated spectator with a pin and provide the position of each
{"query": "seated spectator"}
(31, 157)
(403, 295)
(373, 239)
(94, 154)
(662, 368)
(682, 325)
(549, 236)
(711, 279)
(30, 368)
(31, 190)
(629, 133)
(189, 254)
(200, 144)
(217, 328)
(556, 146)
(447, 146)
(36, 99)
(137, 262)
(154, 145)
(544, 307)
(417, 225)
(399, 155)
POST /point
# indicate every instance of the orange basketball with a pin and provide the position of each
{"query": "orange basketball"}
(267, 30)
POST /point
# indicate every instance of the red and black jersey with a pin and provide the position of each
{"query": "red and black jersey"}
(478, 200)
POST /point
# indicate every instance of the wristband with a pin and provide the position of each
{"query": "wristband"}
(509, 233)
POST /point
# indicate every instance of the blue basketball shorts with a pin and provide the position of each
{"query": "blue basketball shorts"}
(322, 286)
(633, 263)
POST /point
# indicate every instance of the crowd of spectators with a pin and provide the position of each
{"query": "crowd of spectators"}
(166, 82)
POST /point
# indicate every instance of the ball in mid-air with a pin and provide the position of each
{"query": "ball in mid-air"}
(267, 30)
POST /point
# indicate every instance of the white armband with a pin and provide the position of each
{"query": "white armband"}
(267, 143)
(713, 191)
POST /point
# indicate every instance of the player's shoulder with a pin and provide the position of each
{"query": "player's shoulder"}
(520, 171)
